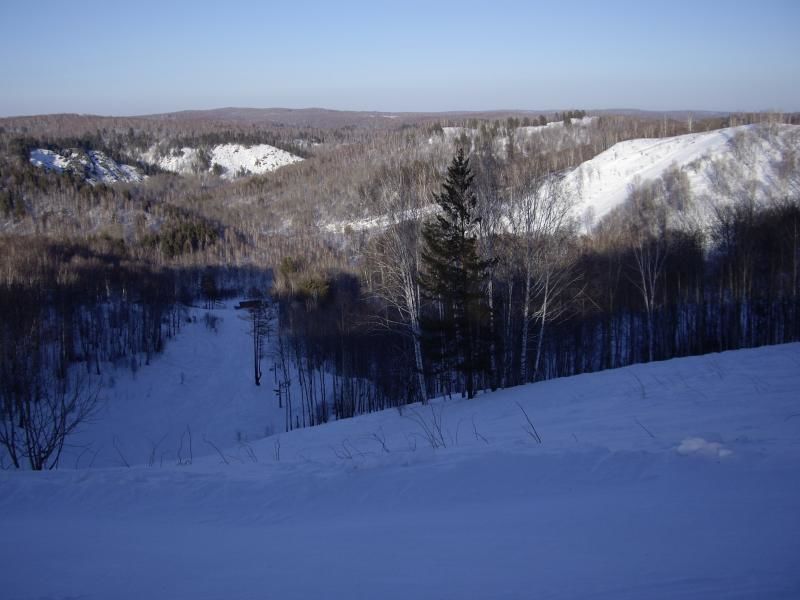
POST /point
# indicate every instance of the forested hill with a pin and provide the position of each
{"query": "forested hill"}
(434, 257)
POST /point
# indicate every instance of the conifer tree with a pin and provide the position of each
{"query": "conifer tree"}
(452, 274)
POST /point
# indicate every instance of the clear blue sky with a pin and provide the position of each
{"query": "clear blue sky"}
(143, 57)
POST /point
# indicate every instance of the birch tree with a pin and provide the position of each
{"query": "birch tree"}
(538, 209)
(395, 259)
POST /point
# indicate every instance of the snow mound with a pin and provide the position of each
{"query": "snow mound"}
(698, 446)
(94, 166)
(232, 160)
(752, 161)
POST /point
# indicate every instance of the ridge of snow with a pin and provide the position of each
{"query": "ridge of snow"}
(749, 155)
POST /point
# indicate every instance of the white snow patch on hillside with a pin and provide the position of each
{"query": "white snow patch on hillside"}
(184, 160)
(380, 222)
(720, 165)
(234, 159)
(531, 129)
(261, 158)
(93, 165)
(604, 508)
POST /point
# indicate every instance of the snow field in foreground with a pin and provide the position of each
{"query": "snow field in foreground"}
(676, 479)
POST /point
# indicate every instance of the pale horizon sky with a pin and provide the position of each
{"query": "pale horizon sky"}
(150, 57)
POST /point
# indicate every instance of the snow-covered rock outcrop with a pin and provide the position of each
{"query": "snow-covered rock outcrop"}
(93, 165)
(229, 160)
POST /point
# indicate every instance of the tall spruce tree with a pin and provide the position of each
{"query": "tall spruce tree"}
(452, 274)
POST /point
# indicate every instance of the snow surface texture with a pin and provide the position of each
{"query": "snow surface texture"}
(93, 165)
(723, 165)
(235, 159)
(673, 480)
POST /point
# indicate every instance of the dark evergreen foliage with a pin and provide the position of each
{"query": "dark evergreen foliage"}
(452, 276)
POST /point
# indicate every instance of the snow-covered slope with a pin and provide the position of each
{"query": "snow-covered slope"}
(722, 165)
(749, 162)
(233, 159)
(93, 165)
(202, 384)
(669, 480)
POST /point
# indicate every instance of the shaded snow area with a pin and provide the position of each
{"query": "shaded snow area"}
(747, 162)
(94, 166)
(201, 385)
(233, 159)
(672, 480)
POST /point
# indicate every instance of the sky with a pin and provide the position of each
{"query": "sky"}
(147, 57)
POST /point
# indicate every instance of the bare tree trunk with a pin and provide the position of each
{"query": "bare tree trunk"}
(542, 319)
(526, 311)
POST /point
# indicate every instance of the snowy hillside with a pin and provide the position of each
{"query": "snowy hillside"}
(746, 161)
(202, 383)
(233, 159)
(669, 480)
(757, 162)
(93, 165)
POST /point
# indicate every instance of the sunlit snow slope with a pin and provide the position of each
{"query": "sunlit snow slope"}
(721, 166)
(233, 159)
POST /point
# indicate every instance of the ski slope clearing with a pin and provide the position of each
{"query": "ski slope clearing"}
(94, 166)
(234, 160)
(673, 480)
(200, 387)
(751, 161)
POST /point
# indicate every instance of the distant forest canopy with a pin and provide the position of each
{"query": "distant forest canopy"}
(98, 274)
(284, 213)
